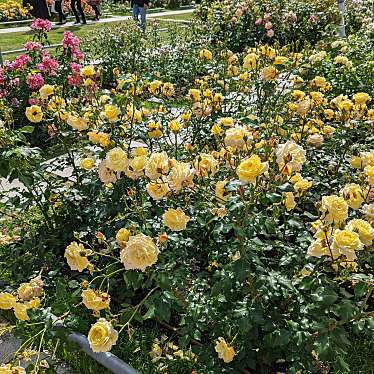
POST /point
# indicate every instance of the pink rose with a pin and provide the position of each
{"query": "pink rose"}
(268, 25)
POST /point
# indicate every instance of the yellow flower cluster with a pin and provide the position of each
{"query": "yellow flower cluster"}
(339, 240)
(28, 297)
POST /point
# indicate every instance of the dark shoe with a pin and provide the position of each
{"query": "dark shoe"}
(84, 23)
(77, 23)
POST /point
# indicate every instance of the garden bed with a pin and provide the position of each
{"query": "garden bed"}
(219, 216)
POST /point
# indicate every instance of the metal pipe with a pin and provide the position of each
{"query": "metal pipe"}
(106, 359)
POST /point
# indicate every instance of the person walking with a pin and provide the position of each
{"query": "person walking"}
(139, 10)
(59, 9)
(77, 4)
(95, 4)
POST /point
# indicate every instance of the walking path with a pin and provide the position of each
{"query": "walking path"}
(103, 20)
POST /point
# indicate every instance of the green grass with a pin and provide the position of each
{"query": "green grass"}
(184, 16)
(16, 40)
(360, 356)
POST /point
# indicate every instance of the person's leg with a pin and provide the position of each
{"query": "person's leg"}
(135, 13)
(97, 12)
(80, 10)
(143, 15)
(58, 8)
(74, 9)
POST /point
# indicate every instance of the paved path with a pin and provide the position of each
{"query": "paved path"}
(103, 20)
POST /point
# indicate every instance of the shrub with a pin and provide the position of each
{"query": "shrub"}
(240, 24)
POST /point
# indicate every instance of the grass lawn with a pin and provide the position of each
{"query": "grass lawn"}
(184, 16)
(16, 40)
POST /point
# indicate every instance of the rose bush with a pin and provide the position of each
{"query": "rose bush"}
(233, 209)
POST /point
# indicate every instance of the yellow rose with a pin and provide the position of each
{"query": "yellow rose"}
(168, 89)
(220, 191)
(99, 138)
(237, 137)
(316, 140)
(175, 126)
(77, 123)
(34, 113)
(123, 236)
(194, 94)
(87, 163)
(269, 73)
(364, 230)
(34, 303)
(205, 54)
(251, 168)
(45, 91)
(139, 253)
(335, 209)
(329, 114)
(356, 162)
(361, 98)
(206, 165)
(289, 200)
(7, 301)
(117, 159)
(112, 112)
(87, 71)
(157, 190)
(158, 164)
(102, 336)
(76, 256)
(154, 86)
(25, 291)
(367, 158)
(136, 167)
(20, 311)
(216, 129)
(250, 61)
(290, 154)
(95, 300)
(369, 171)
(106, 174)
(139, 151)
(346, 242)
(226, 121)
(280, 60)
(9, 369)
(353, 194)
(298, 95)
(301, 186)
(318, 249)
(225, 351)
(180, 175)
(175, 219)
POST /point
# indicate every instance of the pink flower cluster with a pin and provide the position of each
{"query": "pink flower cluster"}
(41, 25)
(33, 46)
(20, 62)
(49, 65)
(75, 78)
(267, 24)
(72, 42)
(35, 81)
